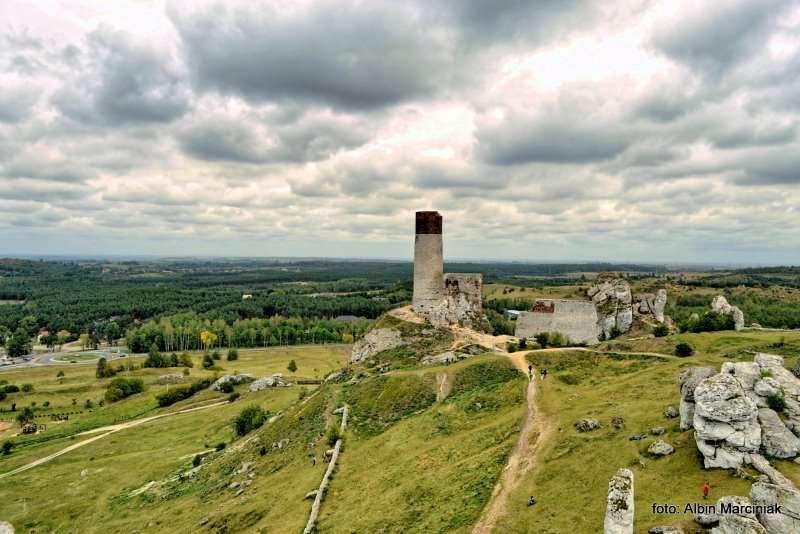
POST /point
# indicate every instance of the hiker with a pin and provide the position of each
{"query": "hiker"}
(530, 372)
(705, 490)
(531, 501)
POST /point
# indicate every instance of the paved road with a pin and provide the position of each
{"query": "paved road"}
(49, 358)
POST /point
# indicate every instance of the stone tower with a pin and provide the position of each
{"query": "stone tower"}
(428, 263)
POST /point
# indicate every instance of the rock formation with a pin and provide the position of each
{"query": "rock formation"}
(375, 341)
(660, 448)
(612, 299)
(652, 305)
(619, 504)
(721, 306)
(784, 495)
(273, 381)
(732, 412)
(232, 379)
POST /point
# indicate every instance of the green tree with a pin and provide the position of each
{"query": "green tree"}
(154, 358)
(25, 416)
(60, 376)
(103, 369)
(292, 367)
(249, 419)
(233, 354)
(112, 332)
(19, 344)
(27, 388)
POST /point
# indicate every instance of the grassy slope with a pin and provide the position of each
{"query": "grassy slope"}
(433, 471)
(571, 479)
(128, 459)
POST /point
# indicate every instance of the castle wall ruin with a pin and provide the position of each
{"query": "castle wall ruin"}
(575, 319)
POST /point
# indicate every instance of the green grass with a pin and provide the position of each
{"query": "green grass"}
(571, 478)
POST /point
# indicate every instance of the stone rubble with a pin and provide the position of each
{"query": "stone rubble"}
(233, 379)
(273, 381)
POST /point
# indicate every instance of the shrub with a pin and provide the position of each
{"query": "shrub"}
(103, 369)
(220, 446)
(27, 388)
(614, 332)
(60, 374)
(683, 349)
(766, 373)
(120, 388)
(660, 330)
(557, 339)
(226, 387)
(292, 367)
(233, 396)
(154, 358)
(512, 347)
(185, 371)
(249, 419)
(542, 339)
(46, 404)
(11, 388)
(88, 404)
(523, 344)
(233, 354)
(333, 434)
(174, 395)
(186, 360)
(208, 362)
(7, 446)
(216, 355)
(25, 416)
(3, 395)
(777, 402)
(196, 460)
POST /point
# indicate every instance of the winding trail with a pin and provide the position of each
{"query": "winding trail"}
(535, 430)
(104, 431)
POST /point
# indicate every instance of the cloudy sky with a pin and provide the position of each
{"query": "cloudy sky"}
(555, 129)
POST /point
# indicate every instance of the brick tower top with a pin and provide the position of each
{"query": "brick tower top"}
(429, 222)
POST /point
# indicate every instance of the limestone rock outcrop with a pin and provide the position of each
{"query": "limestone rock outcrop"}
(650, 304)
(232, 379)
(660, 448)
(725, 421)
(688, 380)
(785, 496)
(375, 341)
(612, 299)
(274, 381)
(731, 414)
(619, 504)
(720, 305)
(738, 522)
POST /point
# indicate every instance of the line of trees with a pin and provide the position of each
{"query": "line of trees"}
(189, 331)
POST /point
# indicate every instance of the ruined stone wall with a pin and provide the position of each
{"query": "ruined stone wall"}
(428, 262)
(463, 301)
(575, 319)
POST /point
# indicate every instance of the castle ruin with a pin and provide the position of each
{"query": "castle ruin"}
(575, 319)
(442, 299)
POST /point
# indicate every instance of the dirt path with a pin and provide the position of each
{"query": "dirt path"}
(107, 430)
(535, 430)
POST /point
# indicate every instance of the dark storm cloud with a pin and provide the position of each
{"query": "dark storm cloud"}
(124, 83)
(549, 140)
(714, 38)
(257, 140)
(344, 54)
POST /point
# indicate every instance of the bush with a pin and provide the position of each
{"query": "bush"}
(542, 339)
(220, 446)
(660, 330)
(216, 355)
(249, 419)
(120, 388)
(523, 344)
(233, 396)
(333, 434)
(292, 367)
(25, 416)
(226, 387)
(11, 388)
(683, 349)
(186, 360)
(3, 395)
(88, 404)
(512, 347)
(155, 359)
(233, 354)
(614, 332)
(196, 460)
(180, 393)
(103, 369)
(7, 446)
(27, 388)
(777, 402)
(208, 362)
(185, 371)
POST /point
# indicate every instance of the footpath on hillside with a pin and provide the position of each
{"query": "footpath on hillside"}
(535, 430)
(103, 432)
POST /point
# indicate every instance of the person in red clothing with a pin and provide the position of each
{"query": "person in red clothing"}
(705, 490)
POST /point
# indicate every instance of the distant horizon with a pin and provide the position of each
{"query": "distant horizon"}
(199, 257)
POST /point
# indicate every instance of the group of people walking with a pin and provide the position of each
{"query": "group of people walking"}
(542, 372)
